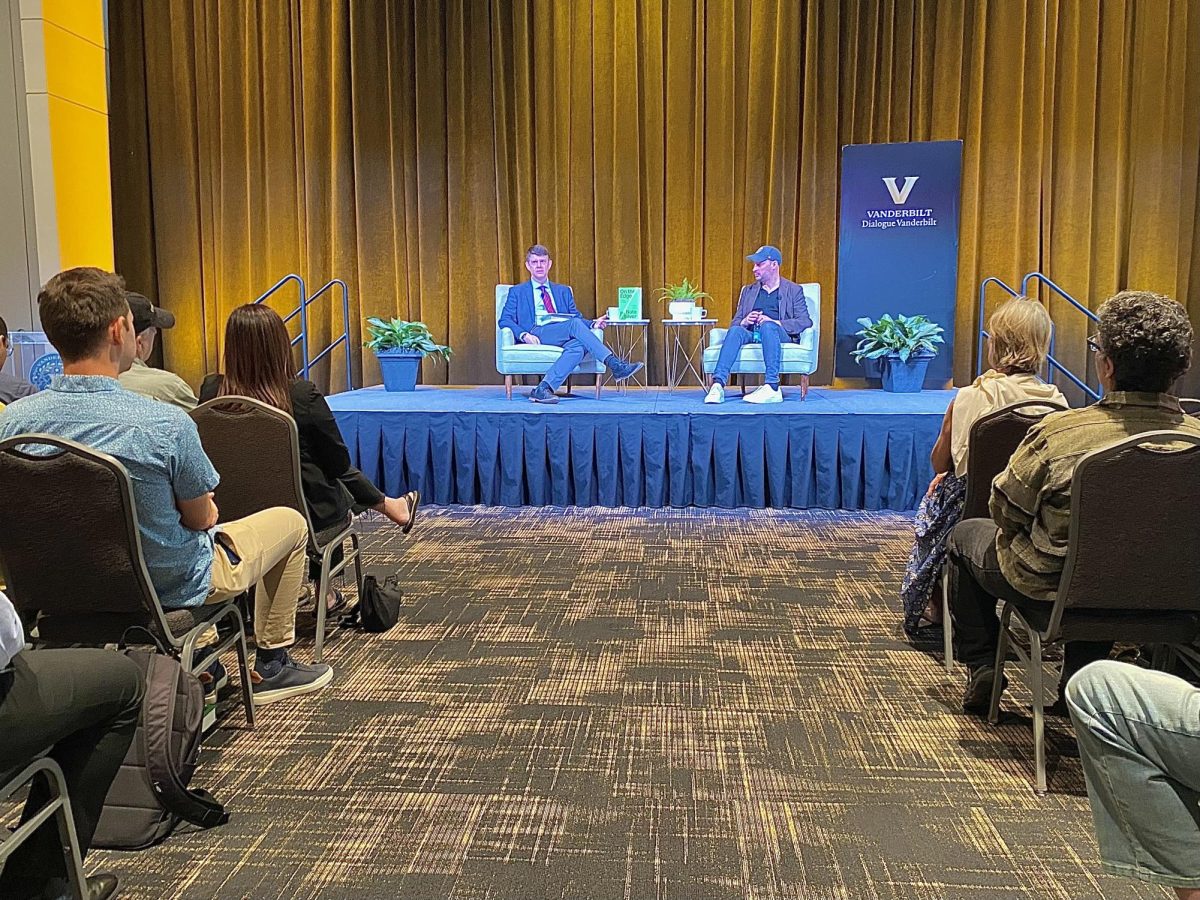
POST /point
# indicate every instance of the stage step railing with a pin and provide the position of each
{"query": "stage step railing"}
(301, 310)
(1051, 361)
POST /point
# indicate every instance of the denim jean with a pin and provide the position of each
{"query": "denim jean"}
(772, 337)
(1139, 739)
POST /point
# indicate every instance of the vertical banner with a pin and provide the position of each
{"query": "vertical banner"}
(898, 247)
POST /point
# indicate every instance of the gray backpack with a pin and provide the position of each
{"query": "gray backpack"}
(150, 794)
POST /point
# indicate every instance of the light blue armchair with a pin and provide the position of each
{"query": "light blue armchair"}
(513, 358)
(799, 358)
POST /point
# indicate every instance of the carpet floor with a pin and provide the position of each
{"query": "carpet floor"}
(634, 704)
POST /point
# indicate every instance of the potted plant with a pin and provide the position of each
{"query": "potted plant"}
(400, 346)
(903, 346)
(681, 298)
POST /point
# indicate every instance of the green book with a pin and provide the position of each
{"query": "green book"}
(629, 303)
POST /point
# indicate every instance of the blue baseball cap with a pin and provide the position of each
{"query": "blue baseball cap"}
(764, 253)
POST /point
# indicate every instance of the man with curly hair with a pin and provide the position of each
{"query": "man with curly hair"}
(1143, 346)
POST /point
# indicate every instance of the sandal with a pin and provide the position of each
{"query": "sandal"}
(414, 500)
(339, 603)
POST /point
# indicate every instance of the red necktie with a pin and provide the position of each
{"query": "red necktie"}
(547, 300)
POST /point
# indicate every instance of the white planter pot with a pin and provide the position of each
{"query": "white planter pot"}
(681, 309)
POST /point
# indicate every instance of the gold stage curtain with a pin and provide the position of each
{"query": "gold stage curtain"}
(416, 148)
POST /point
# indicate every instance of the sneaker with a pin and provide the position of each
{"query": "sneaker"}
(716, 393)
(291, 680)
(214, 678)
(978, 696)
(543, 394)
(766, 394)
(622, 368)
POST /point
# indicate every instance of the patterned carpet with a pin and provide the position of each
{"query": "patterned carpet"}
(634, 704)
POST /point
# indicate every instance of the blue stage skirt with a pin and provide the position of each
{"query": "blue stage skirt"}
(576, 455)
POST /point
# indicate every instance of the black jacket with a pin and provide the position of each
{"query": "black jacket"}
(332, 485)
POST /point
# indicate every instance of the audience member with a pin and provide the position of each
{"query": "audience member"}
(11, 387)
(1139, 740)
(157, 384)
(80, 708)
(1143, 345)
(1019, 339)
(258, 364)
(191, 561)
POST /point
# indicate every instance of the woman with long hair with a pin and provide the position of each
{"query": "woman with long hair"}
(258, 364)
(1017, 347)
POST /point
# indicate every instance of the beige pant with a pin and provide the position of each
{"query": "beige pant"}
(272, 546)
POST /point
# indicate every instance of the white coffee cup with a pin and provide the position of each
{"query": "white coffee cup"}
(614, 313)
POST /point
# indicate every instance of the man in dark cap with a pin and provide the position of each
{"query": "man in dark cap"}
(157, 384)
(772, 312)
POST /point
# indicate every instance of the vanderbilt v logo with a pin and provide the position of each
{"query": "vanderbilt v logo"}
(900, 195)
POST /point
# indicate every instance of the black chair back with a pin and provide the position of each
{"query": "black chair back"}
(255, 448)
(992, 441)
(69, 541)
(1134, 530)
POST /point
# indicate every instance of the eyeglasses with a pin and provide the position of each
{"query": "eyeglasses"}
(1094, 344)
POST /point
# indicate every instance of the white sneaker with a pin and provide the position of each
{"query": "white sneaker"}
(716, 393)
(765, 394)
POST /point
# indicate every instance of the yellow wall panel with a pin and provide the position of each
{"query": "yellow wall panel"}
(83, 193)
(75, 69)
(82, 17)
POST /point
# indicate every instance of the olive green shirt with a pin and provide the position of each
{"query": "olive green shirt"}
(1031, 499)
(158, 384)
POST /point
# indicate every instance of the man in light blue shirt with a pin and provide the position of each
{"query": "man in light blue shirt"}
(191, 561)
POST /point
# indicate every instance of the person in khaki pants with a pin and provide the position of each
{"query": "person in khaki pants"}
(190, 559)
(268, 548)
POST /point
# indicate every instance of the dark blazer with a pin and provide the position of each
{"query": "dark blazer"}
(332, 486)
(793, 308)
(520, 313)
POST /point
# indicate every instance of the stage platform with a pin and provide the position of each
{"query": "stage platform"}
(839, 449)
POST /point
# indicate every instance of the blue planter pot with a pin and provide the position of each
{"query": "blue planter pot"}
(400, 368)
(905, 377)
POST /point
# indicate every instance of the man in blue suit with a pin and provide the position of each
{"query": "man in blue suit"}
(541, 312)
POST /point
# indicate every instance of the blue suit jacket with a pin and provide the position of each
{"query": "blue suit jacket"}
(519, 311)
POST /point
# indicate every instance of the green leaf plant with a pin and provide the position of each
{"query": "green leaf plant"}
(396, 334)
(685, 290)
(903, 337)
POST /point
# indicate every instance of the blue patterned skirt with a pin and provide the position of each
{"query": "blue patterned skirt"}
(939, 512)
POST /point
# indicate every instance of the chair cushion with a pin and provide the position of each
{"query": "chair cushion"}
(184, 619)
(1132, 626)
(536, 359)
(794, 359)
(327, 535)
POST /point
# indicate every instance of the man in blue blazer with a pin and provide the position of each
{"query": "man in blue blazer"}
(541, 312)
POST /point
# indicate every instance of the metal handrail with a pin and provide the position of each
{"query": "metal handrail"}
(1051, 360)
(301, 310)
(344, 338)
(1095, 395)
(1054, 287)
(982, 330)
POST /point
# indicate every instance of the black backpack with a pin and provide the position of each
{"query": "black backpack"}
(378, 609)
(150, 793)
